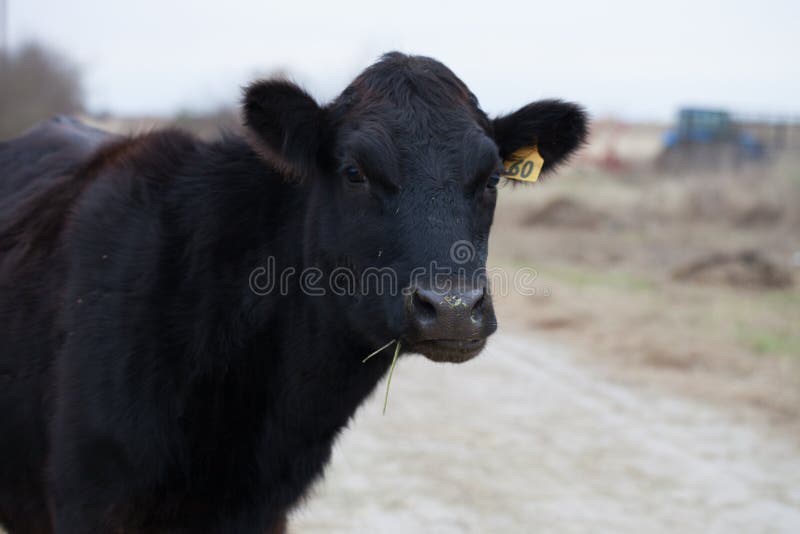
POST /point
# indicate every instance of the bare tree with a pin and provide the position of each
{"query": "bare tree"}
(36, 83)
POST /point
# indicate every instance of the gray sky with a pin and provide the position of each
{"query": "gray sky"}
(628, 58)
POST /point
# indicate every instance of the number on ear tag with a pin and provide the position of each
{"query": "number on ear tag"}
(524, 165)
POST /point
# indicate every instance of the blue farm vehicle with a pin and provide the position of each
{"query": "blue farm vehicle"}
(708, 138)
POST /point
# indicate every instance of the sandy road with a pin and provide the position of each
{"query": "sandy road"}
(525, 439)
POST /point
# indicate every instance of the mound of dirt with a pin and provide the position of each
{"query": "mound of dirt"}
(759, 215)
(566, 213)
(744, 269)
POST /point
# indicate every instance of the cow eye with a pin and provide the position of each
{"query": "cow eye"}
(494, 179)
(354, 175)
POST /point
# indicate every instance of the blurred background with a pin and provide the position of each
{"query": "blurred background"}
(652, 383)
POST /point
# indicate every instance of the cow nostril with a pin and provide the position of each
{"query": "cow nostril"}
(477, 309)
(422, 307)
(479, 303)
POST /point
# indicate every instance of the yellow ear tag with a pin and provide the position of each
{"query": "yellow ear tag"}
(524, 165)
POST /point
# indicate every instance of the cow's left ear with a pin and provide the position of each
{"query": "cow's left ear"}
(285, 126)
(556, 127)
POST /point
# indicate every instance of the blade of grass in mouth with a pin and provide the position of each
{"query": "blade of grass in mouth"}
(391, 372)
(377, 351)
(391, 369)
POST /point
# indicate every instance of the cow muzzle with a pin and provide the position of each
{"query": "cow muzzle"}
(449, 326)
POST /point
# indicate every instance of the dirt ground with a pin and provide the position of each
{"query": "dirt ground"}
(529, 438)
(688, 282)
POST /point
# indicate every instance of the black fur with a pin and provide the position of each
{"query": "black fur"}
(288, 126)
(558, 128)
(144, 387)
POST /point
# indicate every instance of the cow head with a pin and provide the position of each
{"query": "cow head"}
(402, 172)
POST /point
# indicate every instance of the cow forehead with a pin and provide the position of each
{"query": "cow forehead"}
(401, 129)
(413, 116)
(405, 150)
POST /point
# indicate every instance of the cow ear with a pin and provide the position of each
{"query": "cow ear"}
(285, 126)
(556, 127)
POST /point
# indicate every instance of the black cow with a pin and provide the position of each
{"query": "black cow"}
(146, 385)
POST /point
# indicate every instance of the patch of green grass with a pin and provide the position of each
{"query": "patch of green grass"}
(769, 341)
(582, 278)
(612, 279)
(785, 300)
